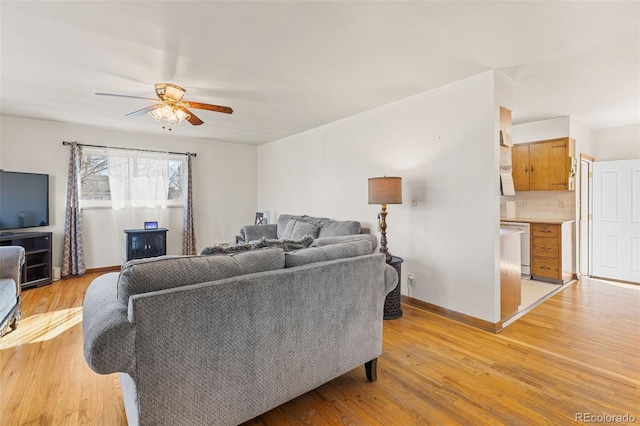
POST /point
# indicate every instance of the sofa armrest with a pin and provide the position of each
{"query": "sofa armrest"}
(390, 278)
(109, 336)
(255, 232)
(11, 261)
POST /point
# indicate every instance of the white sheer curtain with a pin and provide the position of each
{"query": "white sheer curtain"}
(138, 179)
(139, 185)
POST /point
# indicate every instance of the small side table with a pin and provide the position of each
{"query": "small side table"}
(392, 308)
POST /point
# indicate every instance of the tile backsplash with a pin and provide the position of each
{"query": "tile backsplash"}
(542, 205)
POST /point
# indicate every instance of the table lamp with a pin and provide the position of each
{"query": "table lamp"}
(385, 190)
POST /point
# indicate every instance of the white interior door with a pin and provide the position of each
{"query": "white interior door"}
(586, 167)
(616, 220)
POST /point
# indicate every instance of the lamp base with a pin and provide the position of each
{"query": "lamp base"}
(383, 232)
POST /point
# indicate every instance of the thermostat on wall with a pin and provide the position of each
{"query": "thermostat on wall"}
(151, 225)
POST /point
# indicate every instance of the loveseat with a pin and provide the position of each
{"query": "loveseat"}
(294, 227)
(11, 262)
(219, 340)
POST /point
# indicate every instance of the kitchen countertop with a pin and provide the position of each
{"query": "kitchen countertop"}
(527, 220)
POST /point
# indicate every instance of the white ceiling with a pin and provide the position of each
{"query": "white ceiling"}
(285, 67)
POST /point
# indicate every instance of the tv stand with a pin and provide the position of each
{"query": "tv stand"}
(37, 246)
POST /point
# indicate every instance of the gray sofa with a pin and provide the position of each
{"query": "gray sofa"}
(294, 227)
(219, 340)
(11, 262)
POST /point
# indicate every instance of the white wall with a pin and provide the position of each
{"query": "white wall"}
(584, 137)
(617, 143)
(541, 130)
(224, 180)
(443, 143)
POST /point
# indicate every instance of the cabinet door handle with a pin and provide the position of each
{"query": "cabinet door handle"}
(526, 169)
(531, 169)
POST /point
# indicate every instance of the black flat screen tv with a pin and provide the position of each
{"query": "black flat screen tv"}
(24, 200)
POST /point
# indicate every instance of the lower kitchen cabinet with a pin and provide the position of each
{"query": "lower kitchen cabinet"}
(510, 277)
(552, 252)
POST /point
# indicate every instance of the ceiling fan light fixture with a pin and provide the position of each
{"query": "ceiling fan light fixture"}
(169, 92)
(171, 115)
(170, 108)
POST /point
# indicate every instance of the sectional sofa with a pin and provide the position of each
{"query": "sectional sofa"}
(219, 340)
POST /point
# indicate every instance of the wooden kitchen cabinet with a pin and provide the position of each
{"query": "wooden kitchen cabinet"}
(510, 274)
(542, 166)
(552, 252)
(520, 167)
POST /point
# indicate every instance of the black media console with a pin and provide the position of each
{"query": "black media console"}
(37, 265)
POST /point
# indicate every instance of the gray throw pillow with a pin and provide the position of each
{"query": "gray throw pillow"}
(332, 228)
(297, 229)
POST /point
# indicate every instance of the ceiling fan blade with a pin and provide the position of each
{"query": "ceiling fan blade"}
(209, 107)
(127, 96)
(192, 118)
(143, 110)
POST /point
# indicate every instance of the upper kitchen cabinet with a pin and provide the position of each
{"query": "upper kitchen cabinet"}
(543, 166)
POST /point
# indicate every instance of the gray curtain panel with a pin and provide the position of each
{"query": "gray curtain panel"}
(72, 250)
(188, 237)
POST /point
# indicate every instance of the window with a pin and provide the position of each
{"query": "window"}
(94, 176)
(95, 188)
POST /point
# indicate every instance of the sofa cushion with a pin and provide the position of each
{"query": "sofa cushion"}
(332, 228)
(329, 252)
(161, 273)
(321, 242)
(284, 219)
(297, 229)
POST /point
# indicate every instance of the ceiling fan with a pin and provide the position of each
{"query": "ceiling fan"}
(170, 106)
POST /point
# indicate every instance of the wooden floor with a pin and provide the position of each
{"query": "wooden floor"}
(576, 353)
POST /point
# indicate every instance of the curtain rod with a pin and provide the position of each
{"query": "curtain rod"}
(193, 154)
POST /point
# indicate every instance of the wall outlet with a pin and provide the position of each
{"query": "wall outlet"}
(561, 204)
(519, 203)
(411, 279)
(414, 201)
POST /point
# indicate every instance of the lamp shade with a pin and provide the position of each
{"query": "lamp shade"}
(385, 190)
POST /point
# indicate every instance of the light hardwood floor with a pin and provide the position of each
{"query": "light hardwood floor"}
(575, 353)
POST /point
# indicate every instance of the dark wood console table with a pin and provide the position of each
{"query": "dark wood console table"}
(142, 243)
(37, 269)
